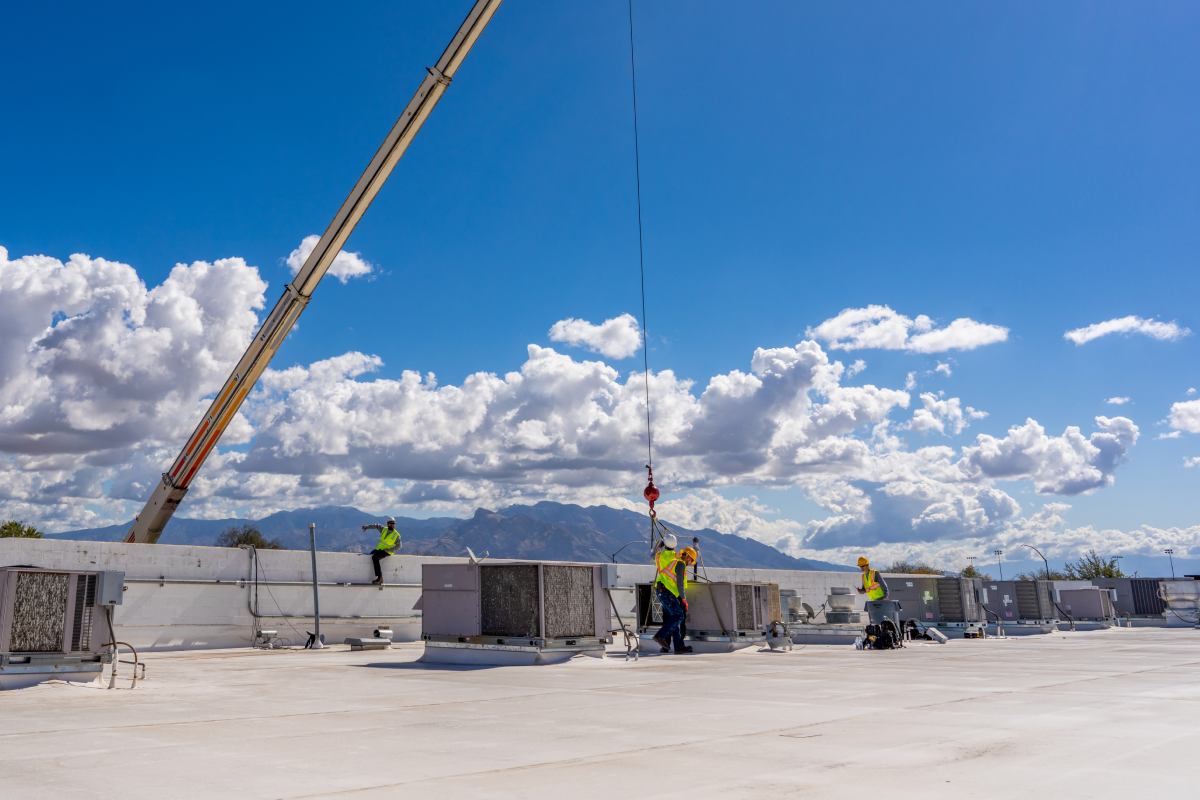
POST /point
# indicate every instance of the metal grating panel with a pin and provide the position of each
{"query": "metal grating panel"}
(570, 599)
(774, 604)
(1146, 599)
(85, 600)
(950, 600)
(508, 600)
(39, 612)
(1028, 606)
(744, 597)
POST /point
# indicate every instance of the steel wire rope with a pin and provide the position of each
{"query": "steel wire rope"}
(637, 173)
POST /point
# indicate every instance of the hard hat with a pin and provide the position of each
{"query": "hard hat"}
(391, 519)
(689, 555)
(669, 541)
(862, 561)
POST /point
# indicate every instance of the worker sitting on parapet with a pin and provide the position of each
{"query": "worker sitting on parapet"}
(872, 582)
(670, 584)
(389, 540)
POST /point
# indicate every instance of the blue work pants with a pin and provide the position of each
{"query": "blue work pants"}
(673, 618)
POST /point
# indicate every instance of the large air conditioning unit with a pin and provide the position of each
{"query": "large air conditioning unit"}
(513, 612)
(724, 614)
(55, 624)
(1035, 603)
(959, 610)
(918, 598)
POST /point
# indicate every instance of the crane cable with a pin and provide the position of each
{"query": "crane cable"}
(651, 492)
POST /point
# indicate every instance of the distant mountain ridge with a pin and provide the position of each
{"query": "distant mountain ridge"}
(546, 530)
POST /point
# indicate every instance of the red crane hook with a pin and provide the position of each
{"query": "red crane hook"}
(651, 492)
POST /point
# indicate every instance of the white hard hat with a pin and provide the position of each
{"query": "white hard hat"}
(669, 541)
(391, 519)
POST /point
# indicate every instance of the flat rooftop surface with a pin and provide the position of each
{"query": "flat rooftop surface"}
(1090, 714)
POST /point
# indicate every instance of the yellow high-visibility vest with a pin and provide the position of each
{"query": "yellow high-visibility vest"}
(388, 540)
(871, 585)
(666, 561)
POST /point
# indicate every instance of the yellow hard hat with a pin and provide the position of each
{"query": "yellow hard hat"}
(689, 555)
(862, 561)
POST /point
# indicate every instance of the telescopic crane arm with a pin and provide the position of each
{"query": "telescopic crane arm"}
(174, 484)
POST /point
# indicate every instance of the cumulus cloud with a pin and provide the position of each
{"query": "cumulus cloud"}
(880, 327)
(1163, 331)
(346, 265)
(104, 378)
(1118, 401)
(857, 367)
(939, 414)
(1066, 464)
(614, 338)
(1185, 416)
(1191, 461)
(943, 368)
(1168, 435)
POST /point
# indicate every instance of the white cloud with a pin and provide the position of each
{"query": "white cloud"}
(943, 368)
(1163, 331)
(910, 381)
(346, 265)
(1067, 464)
(1185, 416)
(1191, 461)
(940, 413)
(1170, 435)
(103, 379)
(1191, 391)
(880, 327)
(1118, 401)
(856, 368)
(614, 338)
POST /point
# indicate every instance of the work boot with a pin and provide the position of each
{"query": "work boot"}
(687, 648)
(377, 581)
(663, 645)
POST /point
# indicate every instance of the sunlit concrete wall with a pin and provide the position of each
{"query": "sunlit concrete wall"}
(203, 597)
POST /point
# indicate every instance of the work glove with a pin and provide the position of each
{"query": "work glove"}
(685, 605)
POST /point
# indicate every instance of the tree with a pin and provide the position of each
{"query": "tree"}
(969, 571)
(18, 530)
(912, 568)
(1091, 565)
(240, 535)
(1040, 575)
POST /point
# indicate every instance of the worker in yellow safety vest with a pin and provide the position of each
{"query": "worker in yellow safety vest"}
(389, 542)
(670, 584)
(873, 584)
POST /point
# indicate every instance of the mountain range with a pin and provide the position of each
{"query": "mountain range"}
(546, 530)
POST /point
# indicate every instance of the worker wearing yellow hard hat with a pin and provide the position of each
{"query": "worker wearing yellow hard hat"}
(670, 584)
(873, 585)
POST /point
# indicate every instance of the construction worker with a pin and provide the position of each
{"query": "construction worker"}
(389, 541)
(670, 584)
(873, 584)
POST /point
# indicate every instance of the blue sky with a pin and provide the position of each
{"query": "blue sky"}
(1029, 168)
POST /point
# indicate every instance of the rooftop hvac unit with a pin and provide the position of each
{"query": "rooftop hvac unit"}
(1035, 602)
(958, 603)
(512, 612)
(54, 624)
(918, 598)
(1090, 604)
(1147, 600)
(726, 615)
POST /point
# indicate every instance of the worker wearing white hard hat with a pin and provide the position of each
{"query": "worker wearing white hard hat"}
(389, 542)
(670, 584)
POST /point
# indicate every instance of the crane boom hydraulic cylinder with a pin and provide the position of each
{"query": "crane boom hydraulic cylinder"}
(174, 484)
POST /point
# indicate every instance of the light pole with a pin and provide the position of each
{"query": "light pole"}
(1117, 567)
(1170, 551)
(997, 554)
(1044, 561)
(622, 547)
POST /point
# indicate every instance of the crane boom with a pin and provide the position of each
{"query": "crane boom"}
(149, 524)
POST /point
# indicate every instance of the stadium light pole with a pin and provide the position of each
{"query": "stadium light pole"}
(1170, 551)
(997, 554)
